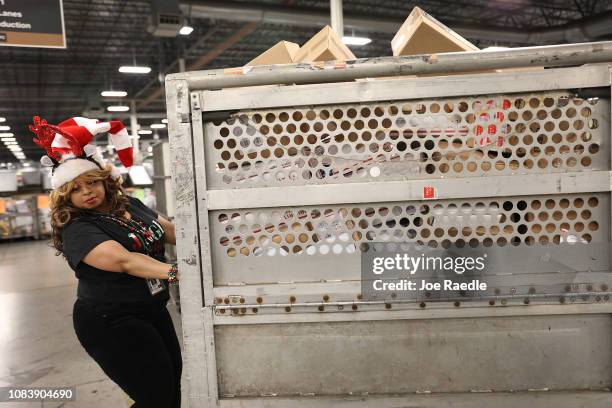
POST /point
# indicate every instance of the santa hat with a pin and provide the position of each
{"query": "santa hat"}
(69, 149)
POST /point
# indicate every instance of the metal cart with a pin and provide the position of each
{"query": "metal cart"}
(285, 175)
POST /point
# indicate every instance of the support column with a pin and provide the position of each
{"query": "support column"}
(135, 138)
(337, 20)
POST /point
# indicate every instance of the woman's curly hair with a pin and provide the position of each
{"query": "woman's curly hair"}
(63, 211)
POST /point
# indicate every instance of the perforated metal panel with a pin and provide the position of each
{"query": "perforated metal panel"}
(460, 137)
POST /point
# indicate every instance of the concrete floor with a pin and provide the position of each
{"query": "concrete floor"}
(38, 346)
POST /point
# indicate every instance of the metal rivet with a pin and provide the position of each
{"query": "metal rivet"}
(259, 300)
(325, 298)
(387, 306)
(255, 310)
(292, 299)
(235, 311)
(491, 302)
(241, 300)
(606, 297)
(287, 309)
(532, 290)
(497, 291)
(422, 305)
(568, 288)
(457, 304)
(222, 311)
(598, 298)
(340, 307)
(359, 296)
(393, 295)
(562, 299)
(321, 308)
(513, 290)
(604, 287)
(526, 301)
(243, 310)
(226, 301)
(590, 288)
(354, 307)
(504, 301)
(219, 300)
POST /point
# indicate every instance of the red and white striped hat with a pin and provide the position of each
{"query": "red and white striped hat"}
(70, 151)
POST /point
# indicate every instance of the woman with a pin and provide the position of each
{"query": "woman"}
(115, 245)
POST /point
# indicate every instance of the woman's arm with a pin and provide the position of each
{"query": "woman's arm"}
(113, 257)
(168, 230)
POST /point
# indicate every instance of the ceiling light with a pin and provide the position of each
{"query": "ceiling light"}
(3, 128)
(131, 69)
(351, 40)
(186, 30)
(2, 120)
(8, 139)
(118, 108)
(164, 120)
(6, 135)
(114, 94)
(15, 148)
(495, 48)
(158, 126)
(10, 143)
(145, 132)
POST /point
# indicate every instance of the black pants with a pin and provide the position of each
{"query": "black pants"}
(136, 346)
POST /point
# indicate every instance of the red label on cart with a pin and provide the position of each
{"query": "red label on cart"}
(499, 116)
(492, 129)
(506, 104)
(484, 141)
(478, 130)
(429, 192)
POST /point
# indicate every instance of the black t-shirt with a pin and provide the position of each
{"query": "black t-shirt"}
(84, 233)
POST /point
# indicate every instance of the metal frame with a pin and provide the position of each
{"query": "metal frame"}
(190, 94)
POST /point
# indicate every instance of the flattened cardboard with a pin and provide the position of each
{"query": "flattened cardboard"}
(324, 46)
(281, 53)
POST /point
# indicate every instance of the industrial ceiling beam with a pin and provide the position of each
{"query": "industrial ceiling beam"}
(208, 57)
(586, 29)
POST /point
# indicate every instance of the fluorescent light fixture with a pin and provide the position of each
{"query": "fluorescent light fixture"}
(10, 143)
(2, 120)
(351, 40)
(158, 126)
(164, 121)
(15, 148)
(131, 69)
(118, 108)
(114, 94)
(186, 30)
(495, 48)
(145, 132)
(8, 139)
(5, 128)
(6, 135)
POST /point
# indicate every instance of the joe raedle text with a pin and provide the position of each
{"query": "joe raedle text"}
(422, 284)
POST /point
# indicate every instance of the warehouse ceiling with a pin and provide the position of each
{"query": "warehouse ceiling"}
(104, 34)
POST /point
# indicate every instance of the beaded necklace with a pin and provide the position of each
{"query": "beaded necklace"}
(141, 233)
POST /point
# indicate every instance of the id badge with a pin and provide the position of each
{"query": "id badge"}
(155, 286)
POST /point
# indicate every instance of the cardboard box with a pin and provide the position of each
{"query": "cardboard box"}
(324, 46)
(281, 53)
(423, 34)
